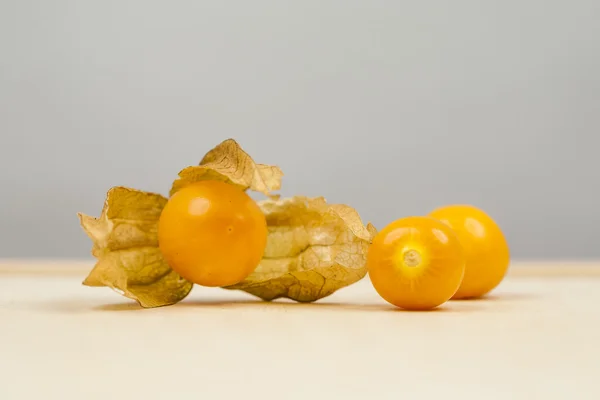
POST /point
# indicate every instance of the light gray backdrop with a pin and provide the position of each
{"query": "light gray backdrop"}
(393, 107)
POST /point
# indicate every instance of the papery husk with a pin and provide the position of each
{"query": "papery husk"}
(313, 249)
(125, 243)
(125, 236)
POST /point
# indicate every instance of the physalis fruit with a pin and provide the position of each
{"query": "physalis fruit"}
(212, 233)
(416, 263)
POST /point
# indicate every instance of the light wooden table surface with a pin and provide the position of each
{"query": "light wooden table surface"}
(536, 337)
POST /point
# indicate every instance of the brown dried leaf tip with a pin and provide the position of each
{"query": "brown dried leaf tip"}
(228, 162)
(313, 249)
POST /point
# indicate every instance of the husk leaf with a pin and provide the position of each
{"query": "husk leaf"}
(125, 243)
(313, 249)
(228, 162)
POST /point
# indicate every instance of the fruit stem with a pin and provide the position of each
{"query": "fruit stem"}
(412, 258)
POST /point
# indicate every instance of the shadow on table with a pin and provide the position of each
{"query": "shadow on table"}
(283, 306)
(504, 297)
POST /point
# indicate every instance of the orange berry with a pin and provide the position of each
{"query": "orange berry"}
(416, 263)
(212, 233)
(485, 247)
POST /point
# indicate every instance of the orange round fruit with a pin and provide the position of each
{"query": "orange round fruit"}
(485, 247)
(416, 263)
(212, 233)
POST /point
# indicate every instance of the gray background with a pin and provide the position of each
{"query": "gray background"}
(393, 107)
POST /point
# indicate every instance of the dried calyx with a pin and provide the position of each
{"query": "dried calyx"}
(313, 248)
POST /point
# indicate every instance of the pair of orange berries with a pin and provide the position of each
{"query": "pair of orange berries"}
(456, 252)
